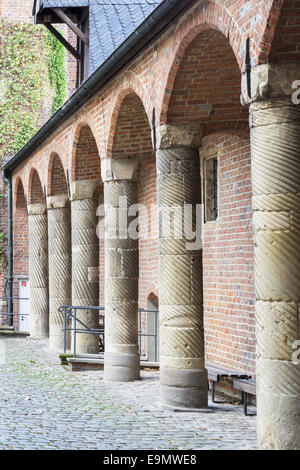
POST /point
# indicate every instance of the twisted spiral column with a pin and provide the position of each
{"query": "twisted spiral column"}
(183, 376)
(59, 242)
(275, 146)
(85, 261)
(38, 271)
(121, 360)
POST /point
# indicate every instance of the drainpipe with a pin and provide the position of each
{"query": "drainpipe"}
(7, 180)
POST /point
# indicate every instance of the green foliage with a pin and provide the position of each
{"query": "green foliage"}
(2, 244)
(57, 73)
(32, 82)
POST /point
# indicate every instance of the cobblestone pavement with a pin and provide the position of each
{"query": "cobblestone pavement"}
(45, 406)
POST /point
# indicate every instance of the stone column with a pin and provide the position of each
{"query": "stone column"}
(85, 260)
(275, 148)
(59, 233)
(182, 373)
(121, 360)
(38, 271)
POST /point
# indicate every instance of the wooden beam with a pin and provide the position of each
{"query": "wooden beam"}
(62, 40)
(61, 14)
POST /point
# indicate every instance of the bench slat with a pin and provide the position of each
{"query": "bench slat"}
(248, 386)
(215, 372)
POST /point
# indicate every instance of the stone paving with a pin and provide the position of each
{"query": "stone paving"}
(45, 406)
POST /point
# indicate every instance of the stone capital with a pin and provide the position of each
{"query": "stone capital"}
(57, 202)
(170, 136)
(84, 189)
(271, 81)
(37, 209)
(119, 169)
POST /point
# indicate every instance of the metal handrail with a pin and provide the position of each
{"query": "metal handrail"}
(70, 313)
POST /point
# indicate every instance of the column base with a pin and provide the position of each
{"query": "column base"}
(121, 367)
(84, 345)
(38, 327)
(56, 338)
(184, 388)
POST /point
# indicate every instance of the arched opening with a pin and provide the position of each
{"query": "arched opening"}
(87, 250)
(57, 184)
(86, 161)
(59, 244)
(20, 253)
(132, 138)
(134, 265)
(132, 134)
(206, 91)
(35, 194)
(38, 258)
(207, 86)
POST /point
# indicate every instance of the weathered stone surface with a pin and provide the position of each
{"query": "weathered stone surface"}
(57, 202)
(85, 261)
(119, 169)
(121, 292)
(180, 287)
(84, 189)
(59, 239)
(270, 81)
(38, 271)
(170, 136)
(275, 143)
(36, 209)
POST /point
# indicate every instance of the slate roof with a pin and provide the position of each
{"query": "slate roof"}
(64, 3)
(111, 22)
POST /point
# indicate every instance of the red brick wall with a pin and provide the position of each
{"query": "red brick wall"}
(20, 242)
(207, 84)
(58, 183)
(20, 233)
(86, 162)
(71, 62)
(285, 46)
(132, 134)
(36, 194)
(228, 260)
(17, 10)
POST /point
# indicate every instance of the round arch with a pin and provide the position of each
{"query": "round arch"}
(130, 86)
(19, 193)
(211, 16)
(35, 189)
(85, 160)
(57, 179)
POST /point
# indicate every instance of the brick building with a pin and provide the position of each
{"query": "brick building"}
(163, 115)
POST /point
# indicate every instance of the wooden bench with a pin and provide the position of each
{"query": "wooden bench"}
(246, 387)
(216, 372)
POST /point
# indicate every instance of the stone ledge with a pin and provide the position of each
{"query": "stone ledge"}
(78, 364)
(119, 169)
(58, 202)
(14, 334)
(270, 81)
(7, 328)
(84, 189)
(170, 136)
